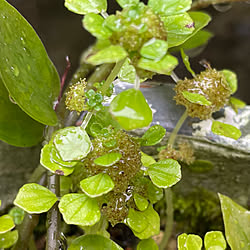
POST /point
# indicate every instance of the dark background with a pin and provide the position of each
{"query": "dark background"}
(62, 34)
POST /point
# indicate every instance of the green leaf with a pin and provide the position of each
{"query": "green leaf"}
(153, 135)
(196, 98)
(231, 79)
(17, 214)
(170, 7)
(111, 54)
(6, 223)
(16, 127)
(227, 130)
(47, 161)
(108, 159)
(163, 66)
(86, 6)
(131, 110)
(147, 160)
(165, 173)
(72, 143)
(94, 24)
(97, 185)
(154, 193)
(79, 209)
(127, 3)
(154, 49)
(127, 72)
(34, 198)
(236, 104)
(144, 224)
(148, 244)
(186, 62)
(93, 242)
(237, 223)
(140, 202)
(179, 28)
(201, 166)
(26, 70)
(8, 239)
(215, 240)
(189, 242)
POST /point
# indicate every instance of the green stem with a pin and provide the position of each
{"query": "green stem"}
(137, 82)
(86, 120)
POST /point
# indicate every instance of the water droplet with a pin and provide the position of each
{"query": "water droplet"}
(22, 40)
(15, 70)
(222, 7)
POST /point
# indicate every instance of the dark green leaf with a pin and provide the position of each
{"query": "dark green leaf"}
(8, 239)
(97, 185)
(16, 127)
(237, 223)
(127, 3)
(17, 214)
(108, 159)
(6, 223)
(86, 6)
(147, 160)
(140, 202)
(93, 242)
(34, 198)
(79, 209)
(215, 240)
(186, 62)
(153, 135)
(131, 109)
(189, 242)
(26, 70)
(227, 130)
(196, 98)
(231, 79)
(148, 244)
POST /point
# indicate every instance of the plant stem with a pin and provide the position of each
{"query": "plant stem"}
(86, 120)
(200, 4)
(170, 218)
(175, 77)
(137, 82)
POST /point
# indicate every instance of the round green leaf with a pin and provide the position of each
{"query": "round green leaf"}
(86, 6)
(26, 70)
(6, 223)
(94, 24)
(79, 209)
(72, 143)
(17, 214)
(127, 3)
(16, 127)
(97, 185)
(140, 202)
(189, 242)
(154, 49)
(231, 79)
(93, 242)
(220, 128)
(196, 98)
(108, 159)
(163, 66)
(215, 239)
(153, 135)
(148, 244)
(147, 160)
(111, 54)
(8, 239)
(165, 173)
(131, 110)
(127, 72)
(34, 198)
(47, 161)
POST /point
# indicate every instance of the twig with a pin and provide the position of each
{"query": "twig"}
(201, 4)
(175, 77)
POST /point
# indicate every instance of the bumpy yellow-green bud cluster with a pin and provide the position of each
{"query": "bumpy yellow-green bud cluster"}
(209, 83)
(75, 97)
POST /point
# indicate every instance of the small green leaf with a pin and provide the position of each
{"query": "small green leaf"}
(237, 223)
(131, 110)
(154, 49)
(94, 24)
(113, 23)
(140, 202)
(170, 7)
(47, 161)
(127, 72)
(189, 242)
(97, 185)
(227, 130)
(34, 198)
(127, 3)
(154, 193)
(196, 98)
(147, 160)
(93, 242)
(6, 223)
(72, 143)
(108, 159)
(8, 239)
(26, 70)
(236, 104)
(163, 66)
(148, 244)
(111, 54)
(215, 240)
(201, 166)
(186, 62)
(165, 173)
(144, 224)
(153, 135)
(17, 214)
(79, 209)
(86, 6)
(231, 79)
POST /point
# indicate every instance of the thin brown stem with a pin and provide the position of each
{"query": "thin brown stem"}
(201, 4)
